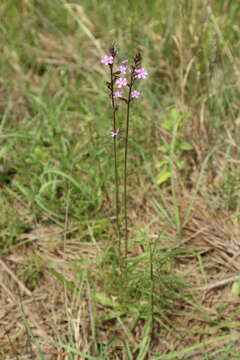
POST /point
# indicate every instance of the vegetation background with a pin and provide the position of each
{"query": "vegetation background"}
(64, 293)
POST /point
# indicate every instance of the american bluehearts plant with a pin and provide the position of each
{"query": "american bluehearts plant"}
(123, 79)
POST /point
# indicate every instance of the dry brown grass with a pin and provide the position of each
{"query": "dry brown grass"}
(50, 311)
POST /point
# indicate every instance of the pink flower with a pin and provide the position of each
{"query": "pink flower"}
(141, 73)
(107, 60)
(122, 69)
(124, 62)
(115, 133)
(117, 94)
(135, 94)
(121, 82)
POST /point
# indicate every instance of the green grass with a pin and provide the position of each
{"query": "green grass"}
(57, 231)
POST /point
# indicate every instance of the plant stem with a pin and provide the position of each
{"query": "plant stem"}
(115, 162)
(152, 287)
(125, 165)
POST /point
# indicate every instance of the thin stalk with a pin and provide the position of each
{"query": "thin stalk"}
(152, 287)
(125, 165)
(115, 162)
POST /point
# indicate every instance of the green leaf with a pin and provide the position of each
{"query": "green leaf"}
(163, 148)
(184, 145)
(168, 125)
(69, 284)
(104, 300)
(161, 163)
(235, 290)
(175, 114)
(163, 177)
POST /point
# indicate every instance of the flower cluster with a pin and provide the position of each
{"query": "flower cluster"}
(107, 60)
(121, 82)
(117, 94)
(141, 73)
(115, 133)
(135, 94)
(122, 69)
(124, 78)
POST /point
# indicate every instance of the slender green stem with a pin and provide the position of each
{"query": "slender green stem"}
(125, 166)
(115, 162)
(152, 286)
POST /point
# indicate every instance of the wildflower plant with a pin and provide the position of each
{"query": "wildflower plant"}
(122, 87)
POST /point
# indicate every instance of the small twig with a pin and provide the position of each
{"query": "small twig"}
(19, 282)
(217, 284)
(8, 291)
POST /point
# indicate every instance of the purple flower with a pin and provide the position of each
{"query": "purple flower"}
(124, 62)
(117, 94)
(122, 69)
(121, 82)
(141, 73)
(107, 60)
(135, 94)
(115, 133)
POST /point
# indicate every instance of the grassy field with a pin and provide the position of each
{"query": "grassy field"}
(65, 292)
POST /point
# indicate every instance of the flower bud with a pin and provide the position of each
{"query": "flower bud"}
(113, 51)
